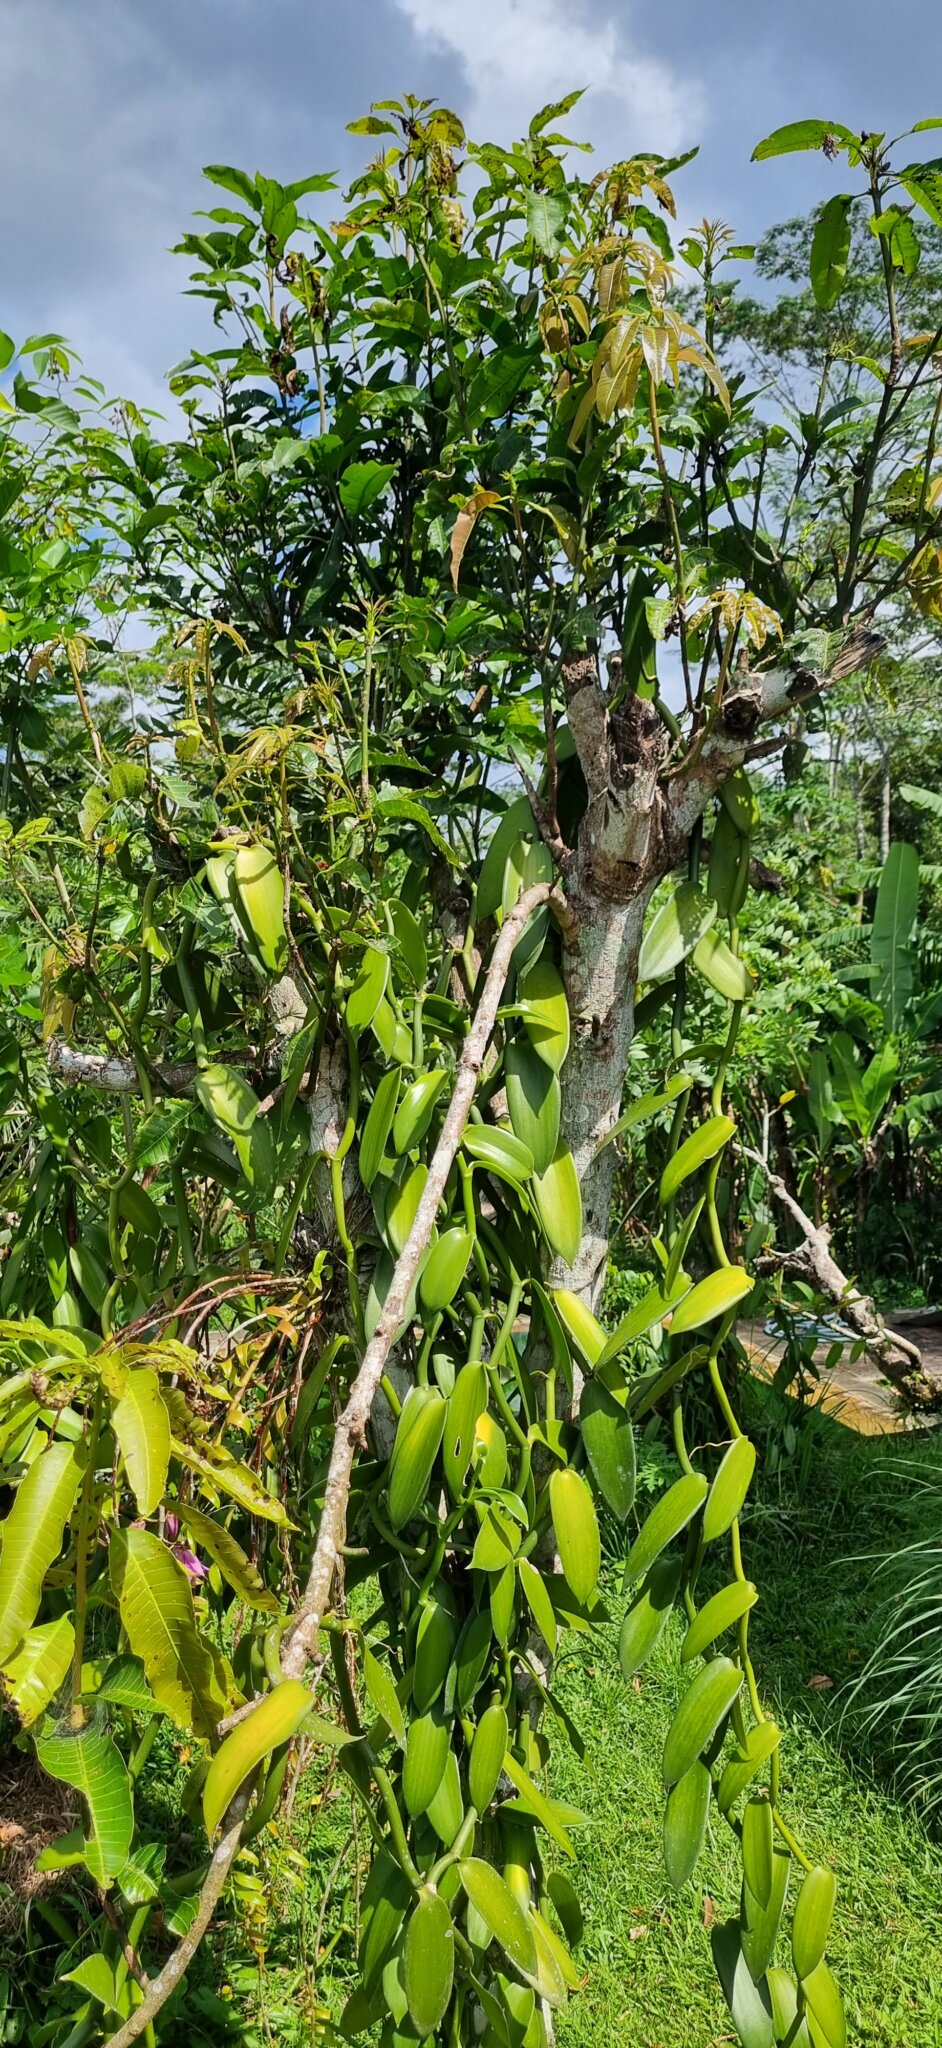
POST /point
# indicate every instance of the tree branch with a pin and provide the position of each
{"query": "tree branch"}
(900, 1360)
(160, 1988)
(758, 700)
(118, 1076)
(301, 1640)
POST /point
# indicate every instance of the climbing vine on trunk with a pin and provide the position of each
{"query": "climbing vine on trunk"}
(467, 622)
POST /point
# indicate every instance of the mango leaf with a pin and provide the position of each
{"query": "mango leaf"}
(89, 1761)
(125, 1685)
(156, 1604)
(362, 483)
(226, 1474)
(36, 1670)
(546, 219)
(237, 1569)
(32, 1537)
(830, 248)
(479, 501)
(405, 810)
(802, 135)
(142, 1427)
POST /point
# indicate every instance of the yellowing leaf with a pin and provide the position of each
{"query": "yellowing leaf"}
(32, 1537)
(479, 501)
(142, 1427)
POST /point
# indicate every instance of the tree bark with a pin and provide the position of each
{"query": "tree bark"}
(600, 971)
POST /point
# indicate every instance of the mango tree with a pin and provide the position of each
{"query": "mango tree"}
(466, 622)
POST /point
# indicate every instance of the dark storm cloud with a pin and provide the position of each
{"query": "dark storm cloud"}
(112, 106)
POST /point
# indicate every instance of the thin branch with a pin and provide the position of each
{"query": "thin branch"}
(301, 1640)
(161, 1987)
(549, 832)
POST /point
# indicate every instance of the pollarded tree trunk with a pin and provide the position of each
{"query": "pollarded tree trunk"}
(640, 814)
(601, 967)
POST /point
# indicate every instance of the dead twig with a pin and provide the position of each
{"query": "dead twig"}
(899, 1359)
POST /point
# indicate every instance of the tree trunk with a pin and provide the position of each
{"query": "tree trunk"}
(600, 967)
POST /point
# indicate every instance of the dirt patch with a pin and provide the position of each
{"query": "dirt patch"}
(34, 1809)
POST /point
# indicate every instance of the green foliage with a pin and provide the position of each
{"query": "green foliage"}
(448, 453)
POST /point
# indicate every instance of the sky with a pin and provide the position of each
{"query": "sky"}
(111, 107)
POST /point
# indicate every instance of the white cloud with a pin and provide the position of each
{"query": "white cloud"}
(519, 54)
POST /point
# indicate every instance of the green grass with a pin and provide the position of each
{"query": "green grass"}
(649, 1978)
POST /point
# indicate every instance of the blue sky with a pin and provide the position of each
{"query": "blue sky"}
(112, 106)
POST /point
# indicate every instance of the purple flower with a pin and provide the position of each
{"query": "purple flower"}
(191, 1564)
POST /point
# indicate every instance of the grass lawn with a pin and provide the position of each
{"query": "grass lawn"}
(650, 1981)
